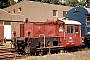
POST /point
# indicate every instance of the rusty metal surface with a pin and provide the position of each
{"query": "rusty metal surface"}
(21, 30)
(1, 32)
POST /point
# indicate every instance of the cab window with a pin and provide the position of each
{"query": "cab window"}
(70, 29)
(76, 29)
(61, 27)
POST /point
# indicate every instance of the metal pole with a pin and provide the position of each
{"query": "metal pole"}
(44, 38)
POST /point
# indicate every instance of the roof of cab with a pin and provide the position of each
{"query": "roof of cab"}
(71, 22)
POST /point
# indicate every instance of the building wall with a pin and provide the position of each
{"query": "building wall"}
(11, 18)
(37, 11)
(15, 27)
(4, 15)
(16, 6)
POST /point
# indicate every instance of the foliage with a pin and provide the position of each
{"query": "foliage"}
(55, 1)
(71, 3)
(88, 4)
(6, 3)
(3, 3)
(46, 1)
(80, 4)
(11, 2)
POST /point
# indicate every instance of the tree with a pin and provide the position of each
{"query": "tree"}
(55, 1)
(80, 4)
(84, 3)
(11, 2)
(6, 3)
(87, 3)
(71, 3)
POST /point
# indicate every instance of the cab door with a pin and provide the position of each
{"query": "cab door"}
(78, 40)
(70, 36)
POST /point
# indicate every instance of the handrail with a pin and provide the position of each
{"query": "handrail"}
(64, 35)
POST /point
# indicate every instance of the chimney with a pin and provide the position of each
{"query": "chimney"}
(26, 20)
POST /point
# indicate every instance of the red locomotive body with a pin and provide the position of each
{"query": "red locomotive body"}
(69, 32)
(52, 34)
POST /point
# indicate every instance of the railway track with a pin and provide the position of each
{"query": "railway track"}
(67, 50)
(6, 54)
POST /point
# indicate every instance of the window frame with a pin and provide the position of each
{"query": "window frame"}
(64, 13)
(88, 21)
(19, 9)
(62, 27)
(13, 11)
(55, 13)
(76, 29)
(70, 30)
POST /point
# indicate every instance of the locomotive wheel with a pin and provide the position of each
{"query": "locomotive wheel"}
(22, 52)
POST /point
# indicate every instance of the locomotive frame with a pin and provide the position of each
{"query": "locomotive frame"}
(47, 36)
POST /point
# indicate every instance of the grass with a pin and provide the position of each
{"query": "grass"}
(38, 58)
(73, 58)
(61, 54)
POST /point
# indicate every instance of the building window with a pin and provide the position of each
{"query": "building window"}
(8, 11)
(55, 13)
(13, 11)
(64, 13)
(88, 21)
(88, 24)
(88, 18)
(19, 9)
(70, 29)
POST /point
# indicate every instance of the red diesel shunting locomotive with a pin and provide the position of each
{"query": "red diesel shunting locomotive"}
(51, 34)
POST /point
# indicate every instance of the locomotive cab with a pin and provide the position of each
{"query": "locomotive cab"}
(70, 33)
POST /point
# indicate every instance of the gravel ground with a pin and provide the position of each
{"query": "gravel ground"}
(80, 55)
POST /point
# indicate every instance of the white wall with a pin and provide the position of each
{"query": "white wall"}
(7, 31)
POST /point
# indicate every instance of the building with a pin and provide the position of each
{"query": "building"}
(35, 12)
(6, 23)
